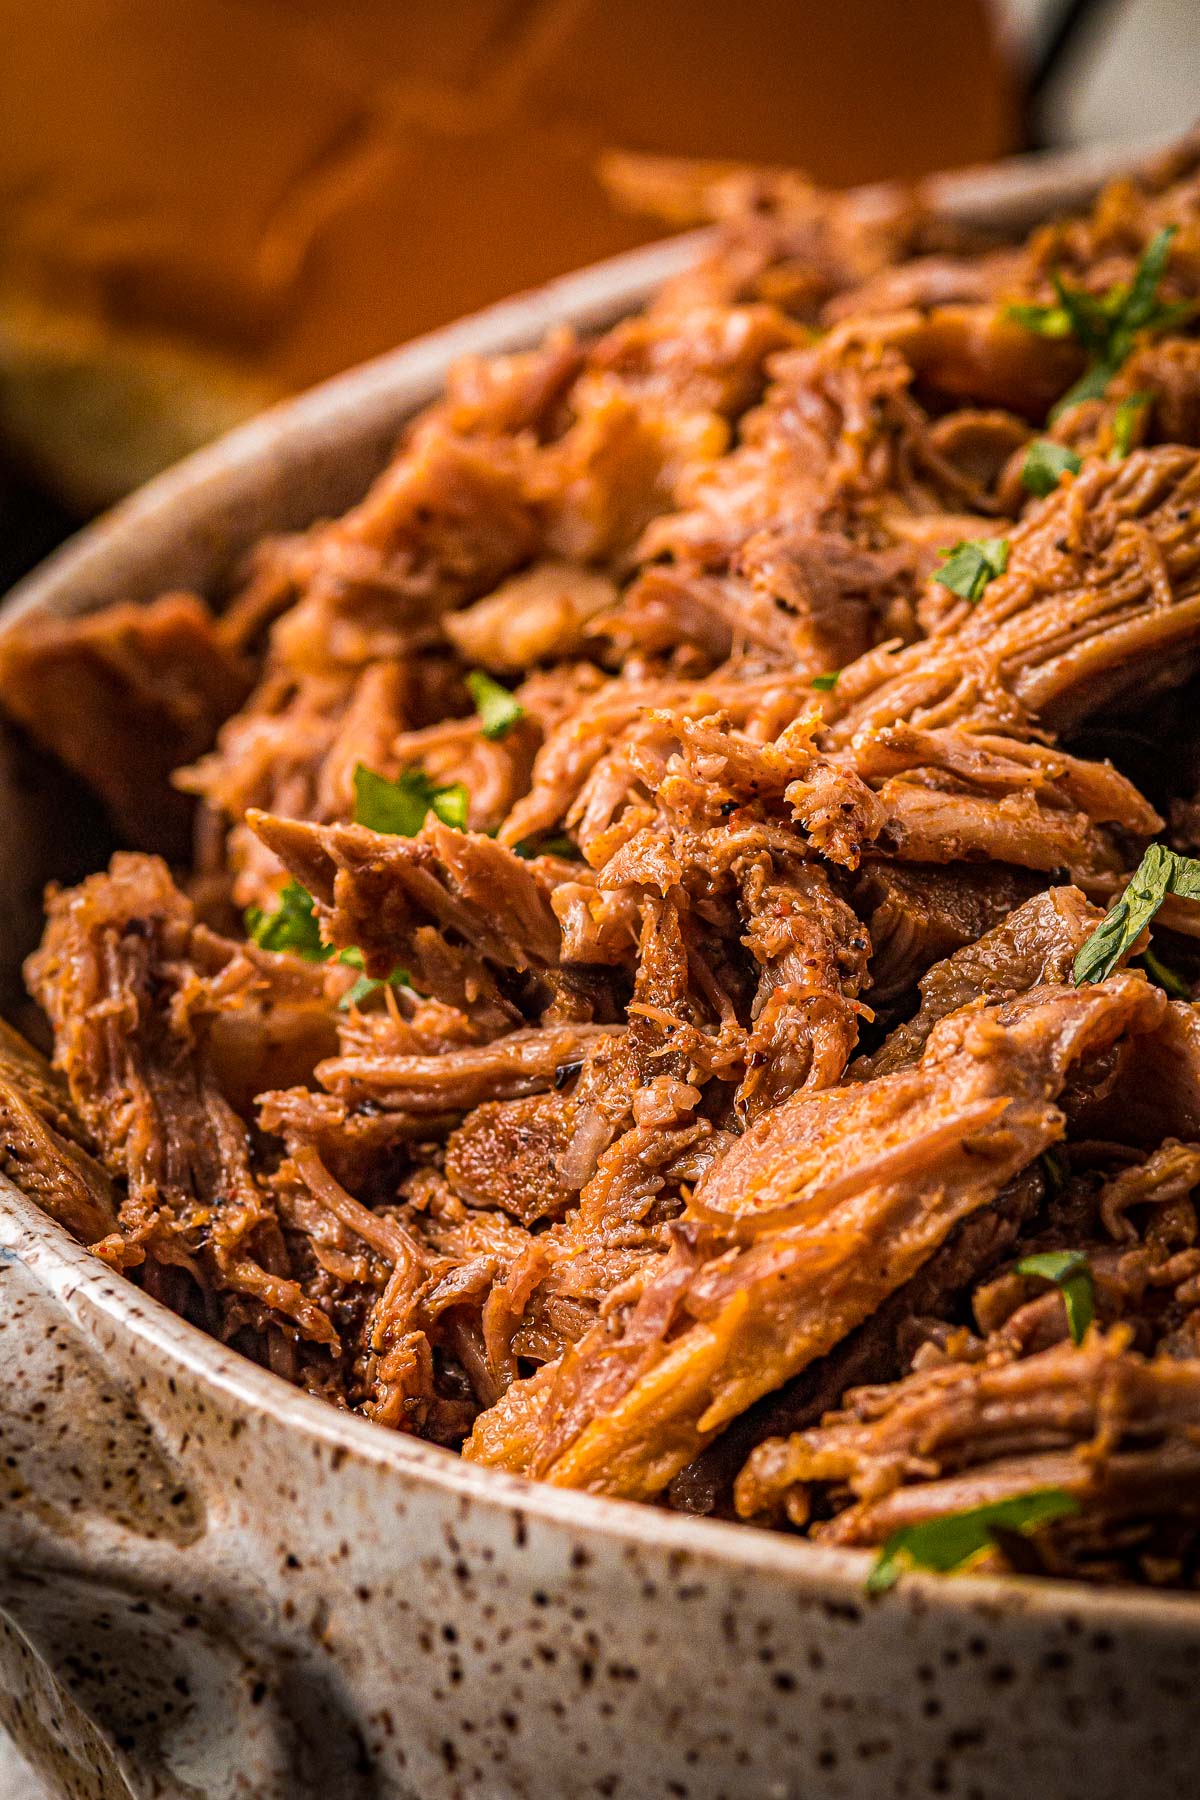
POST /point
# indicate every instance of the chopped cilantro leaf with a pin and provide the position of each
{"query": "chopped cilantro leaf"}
(1106, 325)
(1125, 421)
(366, 985)
(362, 989)
(556, 844)
(946, 1543)
(1160, 872)
(971, 564)
(826, 683)
(399, 807)
(1092, 385)
(1071, 1273)
(1043, 321)
(450, 804)
(1140, 309)
(498, 710)
(1045, 463)
(1055, 1165)
(1163, 976)
(292, 926)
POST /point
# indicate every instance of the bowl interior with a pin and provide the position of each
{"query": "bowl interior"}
(305, 460)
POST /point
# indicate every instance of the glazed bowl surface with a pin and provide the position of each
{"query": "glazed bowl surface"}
(212, 1585)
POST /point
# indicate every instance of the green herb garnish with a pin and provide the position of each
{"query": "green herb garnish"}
(498, 710)
(1160, 872)
(1045, 463)
(1055, 1165)
(292, 926)
(1124, 423)
(1163, 976)
(826, 683)
(971, 564)
(400, 807)
(947, 1543)
(366, 985)
(1071, 1273)
(556, 844)
(1106, 325)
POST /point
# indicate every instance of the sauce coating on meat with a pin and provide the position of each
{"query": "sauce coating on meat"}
(635, 1013)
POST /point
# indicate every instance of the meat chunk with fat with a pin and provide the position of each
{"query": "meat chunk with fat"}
(542, 613)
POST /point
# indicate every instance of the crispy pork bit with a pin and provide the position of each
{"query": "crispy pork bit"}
(710, 1024)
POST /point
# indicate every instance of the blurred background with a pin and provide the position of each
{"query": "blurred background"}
(208, 204)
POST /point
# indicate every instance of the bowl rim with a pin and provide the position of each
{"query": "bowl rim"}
(85, 571)
(387, 389)
(69, 1272)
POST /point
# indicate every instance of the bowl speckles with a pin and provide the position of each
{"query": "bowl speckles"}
(214, 1586)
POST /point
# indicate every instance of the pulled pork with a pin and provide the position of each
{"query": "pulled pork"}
(656, 1078)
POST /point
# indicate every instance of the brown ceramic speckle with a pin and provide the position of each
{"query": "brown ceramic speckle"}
(212, 1586)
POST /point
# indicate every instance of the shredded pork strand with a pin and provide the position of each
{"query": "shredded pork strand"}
(669, 1105)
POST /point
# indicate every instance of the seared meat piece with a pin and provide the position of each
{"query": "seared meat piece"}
(805, 598)
(978, 353)
(445, 522)
(1100, 601)
(45, 1148)
(1153, 1090)
(614, 741)
(924, 796)
(812, 956)
(520, 1062)
(702, 359)
(542, 614)
(396, 898)
(507, 1153)
(876, 1351)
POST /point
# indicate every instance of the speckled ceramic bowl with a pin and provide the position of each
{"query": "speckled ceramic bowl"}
(212, 1585)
